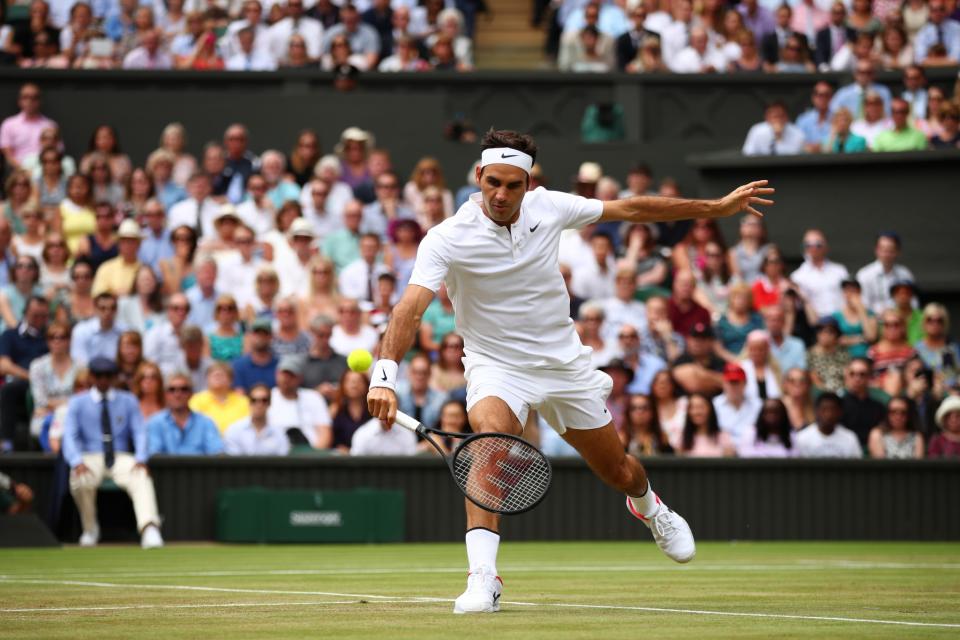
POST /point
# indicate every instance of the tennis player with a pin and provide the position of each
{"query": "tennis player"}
(498, 257)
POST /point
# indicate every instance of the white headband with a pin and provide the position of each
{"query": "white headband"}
(506, 155)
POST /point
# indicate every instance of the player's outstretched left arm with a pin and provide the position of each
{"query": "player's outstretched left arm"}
(659, 209)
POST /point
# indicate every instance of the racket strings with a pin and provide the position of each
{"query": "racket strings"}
(500, 473)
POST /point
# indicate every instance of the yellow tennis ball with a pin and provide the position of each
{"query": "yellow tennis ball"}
(359, 360)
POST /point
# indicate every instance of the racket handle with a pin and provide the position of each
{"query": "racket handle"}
(407, 422)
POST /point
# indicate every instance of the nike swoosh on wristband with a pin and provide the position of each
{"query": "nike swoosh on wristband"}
(512, 155)
(534, 227)
(384, 374)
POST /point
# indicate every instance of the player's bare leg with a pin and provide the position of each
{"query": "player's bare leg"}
(603, 452)
(484, 586)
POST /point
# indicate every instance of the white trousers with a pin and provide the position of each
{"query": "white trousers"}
(136, 481)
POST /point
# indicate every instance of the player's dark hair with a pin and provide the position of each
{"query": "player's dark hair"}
(494, 139)
(690, 429)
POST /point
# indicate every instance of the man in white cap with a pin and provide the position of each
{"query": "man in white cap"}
(296, 267)
(116, 275)
(498, 258)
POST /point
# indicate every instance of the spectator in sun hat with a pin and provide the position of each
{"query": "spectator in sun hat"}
(588, 175)
(116, 275)
(946, 444)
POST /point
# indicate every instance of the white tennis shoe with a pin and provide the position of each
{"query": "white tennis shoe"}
(483, 593)
(670, 531)
(90, 538)
(151, 538)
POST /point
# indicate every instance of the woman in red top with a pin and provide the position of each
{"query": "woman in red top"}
(772, 282)
(205, 57)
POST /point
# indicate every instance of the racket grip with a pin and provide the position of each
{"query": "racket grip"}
(407, 422)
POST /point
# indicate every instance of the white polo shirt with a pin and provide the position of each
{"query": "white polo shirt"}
(509, 298)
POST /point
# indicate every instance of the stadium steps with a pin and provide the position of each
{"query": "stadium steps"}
(504, 38)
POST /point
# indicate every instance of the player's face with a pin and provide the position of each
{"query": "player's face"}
(502, 187)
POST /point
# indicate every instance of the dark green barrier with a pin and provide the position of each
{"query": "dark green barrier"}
(256, 514)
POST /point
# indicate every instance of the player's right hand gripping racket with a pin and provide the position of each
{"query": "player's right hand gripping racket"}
(495, 471)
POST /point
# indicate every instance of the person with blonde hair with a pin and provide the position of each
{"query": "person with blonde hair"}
(427, 173)
(763, 371)
(173, 139)
(841, 138)
(147, 386)
(220, 401)
(739, 321)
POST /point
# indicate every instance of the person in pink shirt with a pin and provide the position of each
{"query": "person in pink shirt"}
(20, 133)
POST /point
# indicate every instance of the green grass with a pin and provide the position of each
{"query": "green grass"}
(573, 590)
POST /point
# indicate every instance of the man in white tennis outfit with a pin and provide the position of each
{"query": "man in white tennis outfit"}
(498, 257)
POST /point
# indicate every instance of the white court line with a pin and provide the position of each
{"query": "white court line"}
(426, 600)
(803, 566)
(125, 607)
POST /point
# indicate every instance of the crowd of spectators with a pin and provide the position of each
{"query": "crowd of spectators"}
(772, 36)
(242, 35)
(228, 289)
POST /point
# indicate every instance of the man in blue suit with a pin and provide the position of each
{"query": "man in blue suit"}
(104, 436)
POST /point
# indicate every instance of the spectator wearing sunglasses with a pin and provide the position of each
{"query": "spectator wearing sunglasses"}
(255, 435)
(177, 430)
(818, 277)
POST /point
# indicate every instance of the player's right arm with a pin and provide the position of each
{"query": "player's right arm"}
(404, 322)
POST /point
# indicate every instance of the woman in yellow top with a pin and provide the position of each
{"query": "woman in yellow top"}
(220, 402)
(76, 217)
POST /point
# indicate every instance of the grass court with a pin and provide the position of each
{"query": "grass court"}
(552, 590)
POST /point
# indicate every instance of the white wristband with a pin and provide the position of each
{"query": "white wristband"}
(384, 374)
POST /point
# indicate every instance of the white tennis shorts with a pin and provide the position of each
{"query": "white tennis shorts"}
(572, 397)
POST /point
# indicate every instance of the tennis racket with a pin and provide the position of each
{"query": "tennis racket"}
(495, 471)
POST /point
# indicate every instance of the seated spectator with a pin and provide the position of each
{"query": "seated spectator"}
(670, 405)
(763, 372)
(260, 364)
(324, 367)
(855, 95)
(358, 280)
(622, 308)
(897, 438)
(220, 401)
(860, 411)
(129, 358)
(736, 412)
(77, 305)
(877, 277)
(31, 241)
(863, 18)
(937, 351)
(873, 122)
(739, 320)
(161, 344)
(249, 57)
(147, 386)
(841, 139)
(351, 332)
(890, 353)
(179, 431)
(20, 347)
(897, 52)
(640, 429)
(104, 435)
(202, 296)
(818, 278)
(415, 397)
(118, 274)
(156, 244)
(176, 271)
(699, 56)
(15, 497)
(98, 336)
(699, 369)
(51, 376)
(857, 325)
(237, 272)
(642, 364)
(437, 321)
(776, 135)
(938, 41)
(904, 295)
(14, 296)
(771, 436)
(349, 409)
(827, 358)
(105, 141)
(448, 373)
(827, 438)
(288, 338)
(746, 257)
(192, 359)
(772, 282)
(682, 309)
(690, 254)
(54, 268)
(341, 54)
(141, 308)
(949, 136)
(266, 290)
(946, 444)
(301, 413)
(226, 336)
(450, 26)
(702, 437)
(587, 51)
(426, 173)
(798, 397)
(646, 258)
(159, 173)
(150, 54)
(375, 438)
(794, 56)
(360, 37)
(901, 136)
(255, 435)
(787, 350)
